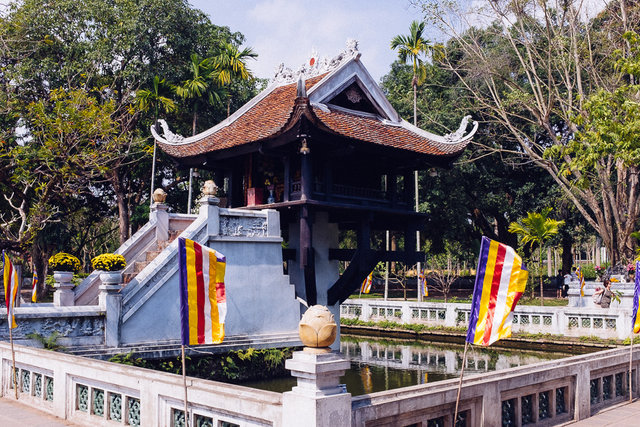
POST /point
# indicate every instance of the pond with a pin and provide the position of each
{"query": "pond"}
(386, 364)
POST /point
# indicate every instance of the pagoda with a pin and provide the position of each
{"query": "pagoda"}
(324, 147)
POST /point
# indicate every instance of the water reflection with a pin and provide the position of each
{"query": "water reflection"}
(385, 364)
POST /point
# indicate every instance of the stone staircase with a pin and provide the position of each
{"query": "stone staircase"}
(161, 350)
(149, 256)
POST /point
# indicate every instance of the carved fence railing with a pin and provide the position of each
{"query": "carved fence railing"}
(544, 394)
(569, 321)
(91, 392)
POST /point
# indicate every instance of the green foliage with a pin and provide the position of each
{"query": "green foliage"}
(236, 366)
(412, 48)
(536, 229)
(109, 262)
(50, 342)
(589, 271)
(128, 359)
(64, 262)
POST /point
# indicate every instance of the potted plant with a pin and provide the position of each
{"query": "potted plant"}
(110, 267)
(63, 266)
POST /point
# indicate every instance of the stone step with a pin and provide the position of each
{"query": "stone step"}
(151, 255)
(139, 266)
(127, 277)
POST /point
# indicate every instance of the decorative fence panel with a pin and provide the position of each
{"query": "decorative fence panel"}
(568, 321)
(98, 393)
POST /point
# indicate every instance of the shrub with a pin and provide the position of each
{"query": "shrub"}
(589, 271)
(108, 262)
(64, 262)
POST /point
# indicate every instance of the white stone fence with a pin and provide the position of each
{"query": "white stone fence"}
(543, 394)
(568, 321)
(98, 393)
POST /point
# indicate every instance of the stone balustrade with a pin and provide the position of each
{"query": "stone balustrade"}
(613, 322)
(97, 393)
(92, 392)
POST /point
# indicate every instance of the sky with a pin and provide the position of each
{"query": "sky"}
(287, 31)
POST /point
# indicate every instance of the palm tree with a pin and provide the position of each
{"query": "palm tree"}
(231, 64)
(147, 99)
(200, 86)
(536, 229)
(414, 47)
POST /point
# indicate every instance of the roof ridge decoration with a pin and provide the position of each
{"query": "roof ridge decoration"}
(458, 134)
(315, 67)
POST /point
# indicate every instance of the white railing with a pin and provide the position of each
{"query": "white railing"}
(548, 393)
(568, 321)
(92, 392)
(98, 393)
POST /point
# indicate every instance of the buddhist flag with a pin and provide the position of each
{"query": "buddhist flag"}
(636, 298)
(580, 275)
(203, 304)
(10, 289)
(34, 286)
(422, 279)
(365, 287)
(500, 281)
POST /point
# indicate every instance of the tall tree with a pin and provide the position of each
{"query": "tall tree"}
(199, 87)
(153, 99)
(536, 230)
(231, 65)
(534, 71)
(414, 48)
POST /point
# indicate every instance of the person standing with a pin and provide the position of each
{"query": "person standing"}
(605, 301)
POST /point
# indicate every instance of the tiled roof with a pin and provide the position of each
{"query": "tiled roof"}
(370, 129)
(261, 121)
(269, 115)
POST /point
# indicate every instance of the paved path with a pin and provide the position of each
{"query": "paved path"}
(624, 415)
(13, 413)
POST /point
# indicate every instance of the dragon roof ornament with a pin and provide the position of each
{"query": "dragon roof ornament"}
(316, 66)
(459, 134)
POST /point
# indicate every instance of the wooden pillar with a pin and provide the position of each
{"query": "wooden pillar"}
(306, 173)
(287, 178)
(328, 180)
(410, 241)
(392, 188)
(408, 188)
(307, 256)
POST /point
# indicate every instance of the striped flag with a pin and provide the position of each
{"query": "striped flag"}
(365, 287)
(580, 275)
(203, 303)
(422, 278)
(10, 288)
(500, 281)
(34, 286)
(636, 298)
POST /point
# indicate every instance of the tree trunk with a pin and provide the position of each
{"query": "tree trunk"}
(39, 258)
(123, 209)
(540, 274)
(567, 259)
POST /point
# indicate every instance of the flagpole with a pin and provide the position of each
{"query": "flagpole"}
(184, 383)
(13, 358)
(464, 362)
(630, 366)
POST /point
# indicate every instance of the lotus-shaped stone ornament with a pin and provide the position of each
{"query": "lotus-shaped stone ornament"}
(318, 327)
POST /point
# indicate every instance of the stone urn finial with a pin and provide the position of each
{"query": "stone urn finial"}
(318, 329)
(209, 188)
(159, 196)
